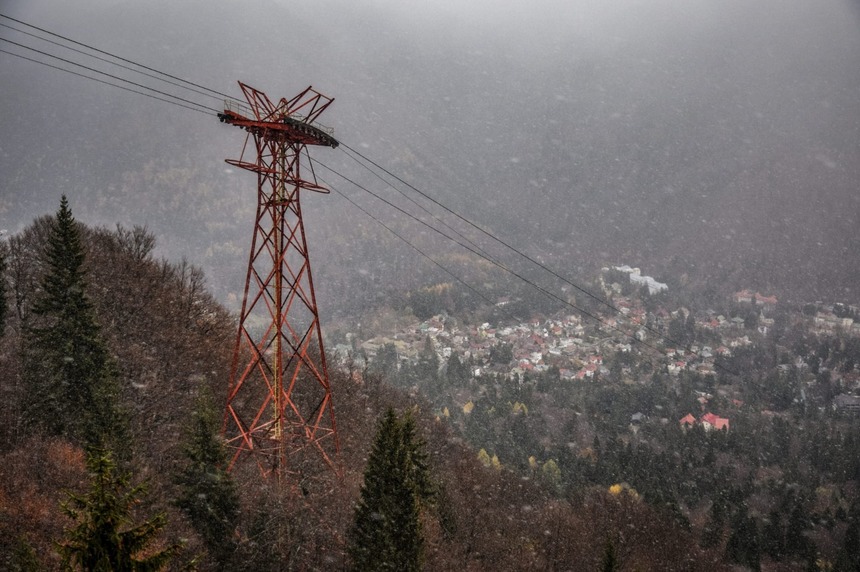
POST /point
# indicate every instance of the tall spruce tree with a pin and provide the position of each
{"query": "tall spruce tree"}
(23, 558)
(72, 387)
(386, 533)
(104, 535)
(609, 562)
(848, 558)
(207, 493)
(743, 545)
(3, 306)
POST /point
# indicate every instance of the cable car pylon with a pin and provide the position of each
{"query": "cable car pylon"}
(279, 404)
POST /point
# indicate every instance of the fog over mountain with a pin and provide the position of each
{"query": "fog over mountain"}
(715, 141)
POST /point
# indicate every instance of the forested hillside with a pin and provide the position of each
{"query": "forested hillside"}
(166, 345)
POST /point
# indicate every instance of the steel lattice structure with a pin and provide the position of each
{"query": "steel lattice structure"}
(279, 400)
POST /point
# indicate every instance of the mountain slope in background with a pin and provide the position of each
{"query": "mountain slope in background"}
(714, 142)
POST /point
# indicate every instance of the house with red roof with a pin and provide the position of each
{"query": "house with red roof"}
(744, 296)
(710, 421)
(767, 301)
(687, 421)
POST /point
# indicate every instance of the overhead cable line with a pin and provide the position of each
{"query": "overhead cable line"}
(504, 243)
(416, 203)
(104, 82)
(507, 245)
(411, 245)
(474, 248)
(496, 263)
(480, 228)
(218, 93)
(113, 63)
(164, 93)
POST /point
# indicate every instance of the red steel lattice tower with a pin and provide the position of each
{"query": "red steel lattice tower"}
(279, 402)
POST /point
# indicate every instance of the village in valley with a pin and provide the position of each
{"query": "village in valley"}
(636, 338)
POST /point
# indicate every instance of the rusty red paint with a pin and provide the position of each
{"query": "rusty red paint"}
(279, 400)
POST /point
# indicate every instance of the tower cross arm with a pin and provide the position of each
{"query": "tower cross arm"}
(287, 130)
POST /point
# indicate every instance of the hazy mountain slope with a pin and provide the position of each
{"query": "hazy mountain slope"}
(718, 141)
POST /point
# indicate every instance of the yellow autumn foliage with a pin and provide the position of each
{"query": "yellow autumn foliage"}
(618, 488)
(438, 289)
(551, 473)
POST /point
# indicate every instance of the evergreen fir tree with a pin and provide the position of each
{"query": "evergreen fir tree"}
(3, 306)
(610, 563)
(457, 372)
(798, 522)
(23, 558)
(386, 533)
(743, 545)
(427, 368)
(848, 559)
(384, 364)
(104, 536)
(71, 381)
(773, 538)
(417, 460)
(207, 493)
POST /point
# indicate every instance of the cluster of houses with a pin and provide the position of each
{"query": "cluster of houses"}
(564, 341)
(578, 348)
(535, 345)
(826, 320)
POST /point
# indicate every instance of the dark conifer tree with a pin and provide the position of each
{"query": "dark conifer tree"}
(427, 367)
(104, 535)
(385, 363)
(610, 563)
(23, 558)
(798, 522)
(207, 493)
(72, 388)
(773, 537)
(848, 559)
(3, 306)
(743, 546)
(386, 533)
(457, 372)
(417, 460)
